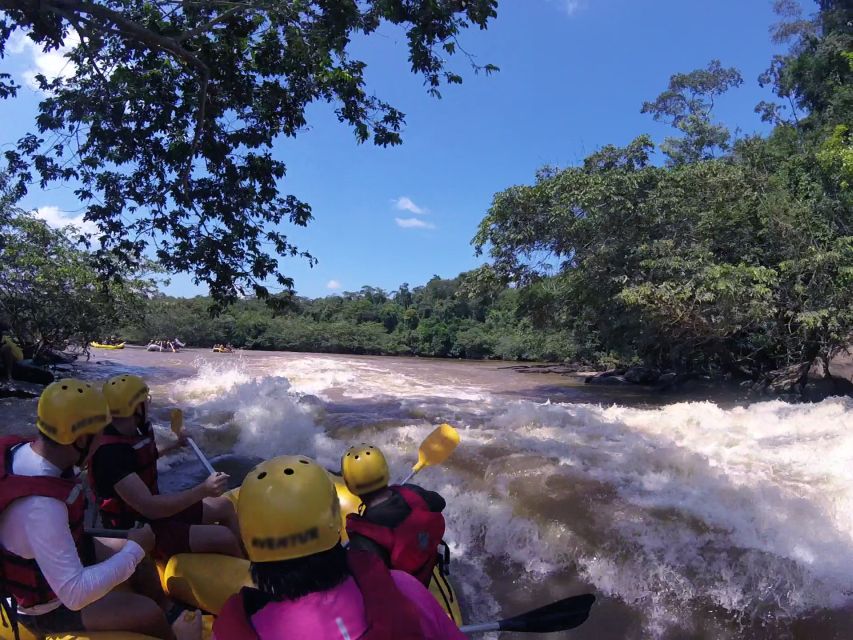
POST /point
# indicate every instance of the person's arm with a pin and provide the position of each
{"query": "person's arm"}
(54, 550)
(136, 493)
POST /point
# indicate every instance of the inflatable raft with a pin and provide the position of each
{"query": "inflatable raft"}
(207, 580)
(98, 345)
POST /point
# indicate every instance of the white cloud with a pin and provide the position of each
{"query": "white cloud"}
(571, 7)
(52, 64)
(57, 219)
(405, 203)
(413, 223)
(333, 284)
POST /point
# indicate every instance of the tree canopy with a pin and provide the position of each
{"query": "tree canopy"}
(735, 255)
(50, 288)
(167, 125)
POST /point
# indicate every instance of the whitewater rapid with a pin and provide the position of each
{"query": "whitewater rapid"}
(687, 520)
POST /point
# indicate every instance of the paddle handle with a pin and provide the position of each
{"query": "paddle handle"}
(200, 456)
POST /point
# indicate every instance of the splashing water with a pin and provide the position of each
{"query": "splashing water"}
(691, 520)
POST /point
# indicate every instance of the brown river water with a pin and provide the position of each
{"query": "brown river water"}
(691, 520)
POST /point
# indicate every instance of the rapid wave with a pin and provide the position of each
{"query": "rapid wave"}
(672, 511)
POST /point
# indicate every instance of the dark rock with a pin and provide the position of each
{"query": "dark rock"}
(642, 375)
(786, 381)
(831, 376)
(666, 381)
(611, 380)
(612, 372)
(840, 368)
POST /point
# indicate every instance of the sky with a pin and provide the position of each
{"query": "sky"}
(573, 76)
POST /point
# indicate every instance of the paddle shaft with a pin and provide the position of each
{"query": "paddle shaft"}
(407, 478)
(201, 456)
(480, 628)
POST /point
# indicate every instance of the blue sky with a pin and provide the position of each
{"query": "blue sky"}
(574, 74)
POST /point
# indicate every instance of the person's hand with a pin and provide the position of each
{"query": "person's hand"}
(216, 484)
(143, 536)
(182, 439)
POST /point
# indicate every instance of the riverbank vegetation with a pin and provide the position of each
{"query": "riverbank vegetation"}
(443, 318)
(732, 255)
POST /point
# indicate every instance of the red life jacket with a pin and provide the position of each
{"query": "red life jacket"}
(412, 545)
(389, 614)
(115, 512)
(21, 576)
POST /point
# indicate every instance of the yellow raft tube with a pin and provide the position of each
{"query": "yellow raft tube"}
(98, 345)
(207, 580)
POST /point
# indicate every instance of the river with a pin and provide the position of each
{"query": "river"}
(688, 520)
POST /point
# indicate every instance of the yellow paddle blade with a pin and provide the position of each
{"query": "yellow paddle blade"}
(177, 418)
(437, 446)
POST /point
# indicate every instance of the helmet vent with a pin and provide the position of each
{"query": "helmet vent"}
(79, 390)
(288, 472)
(367, 453)
(65, 387)
(262, 475)
(304, 462)
(356, 457)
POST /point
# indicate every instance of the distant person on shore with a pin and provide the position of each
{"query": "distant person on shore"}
(123, 474)
(402, 525)
(59, 580)
(10, 353)
(11, 365)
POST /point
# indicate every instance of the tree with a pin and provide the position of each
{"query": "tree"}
(734, 257)
(167, 124)
(50, 290)
(687, 105)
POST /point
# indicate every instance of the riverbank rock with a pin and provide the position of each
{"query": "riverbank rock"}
(832, 376)
(632, 375)
(813, 382)
(611, 377)
(840, 368)
(642, 375)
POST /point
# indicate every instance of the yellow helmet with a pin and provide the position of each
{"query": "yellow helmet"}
(365, 469)
(288, 508)
(71, 408)
(124, 393)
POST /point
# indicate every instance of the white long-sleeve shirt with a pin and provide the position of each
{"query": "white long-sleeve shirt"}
(37, 527)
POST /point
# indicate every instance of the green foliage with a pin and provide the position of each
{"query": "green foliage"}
(444, 318)
(167, 125)
(739, 261)
(50, 290)
(687, 105)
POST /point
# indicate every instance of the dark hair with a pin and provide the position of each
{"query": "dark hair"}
(292, 579)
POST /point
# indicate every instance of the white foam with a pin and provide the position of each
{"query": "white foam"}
(748, 509)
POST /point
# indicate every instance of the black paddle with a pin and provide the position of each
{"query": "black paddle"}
(558, 616)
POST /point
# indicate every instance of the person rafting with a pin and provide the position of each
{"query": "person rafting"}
(123, 474)
(307, 584)
(403, 525)
(43, 548)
